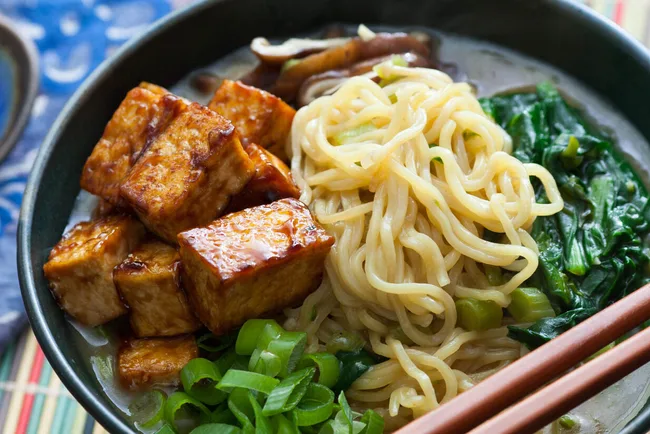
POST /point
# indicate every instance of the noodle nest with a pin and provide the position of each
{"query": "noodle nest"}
(419, 189)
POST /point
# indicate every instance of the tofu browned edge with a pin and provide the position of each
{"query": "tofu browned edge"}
(154, 361)
(272, 181)
(228, 283)
(148, 281)
(80, 267)
(145, 111)
(176, 185)
(260, 117)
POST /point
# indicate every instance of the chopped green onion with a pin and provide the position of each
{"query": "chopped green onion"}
(262, 423)
(289, 64)
(216, 428)
(529, 305)
(374, 423)
(494, 275)
(213, 344)
(343, 137)
(388, 79)
(346, 411)
(270, 332)
(267, 364)
(165, 429)
(250, 333)
(222, 414)
(149, 408)
(438, 160)
(478, 315)
(327, 364)
(183, 412)
(282, 425)
(289, 392)
(247, 380)
(567, 421)
(240, 406)
(392, 98)
(344, 341)
(200, 377)
(226, 360)
(315, 407)
(289, 348)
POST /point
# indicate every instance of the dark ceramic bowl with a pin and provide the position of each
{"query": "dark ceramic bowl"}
(560, 33)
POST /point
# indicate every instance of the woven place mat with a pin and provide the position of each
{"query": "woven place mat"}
(34, 401)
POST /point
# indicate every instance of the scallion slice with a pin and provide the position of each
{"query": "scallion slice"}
(289, 392)
(374, 423)
(250, 333)
(216, 428)
(289, 347)
(200, 377)
(315, 407)
(222, 414)
(183, 412)
(165, 429)
(268, 364)
(282, 425)
(327, 364)
(149, 408)
(241, 408)
(247, 380)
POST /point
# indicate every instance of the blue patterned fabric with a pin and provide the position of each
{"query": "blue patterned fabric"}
(73, 37)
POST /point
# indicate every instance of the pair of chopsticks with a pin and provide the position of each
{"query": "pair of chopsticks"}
(494, 406)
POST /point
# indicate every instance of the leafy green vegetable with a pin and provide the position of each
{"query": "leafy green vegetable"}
(593, 252)
(353, 364)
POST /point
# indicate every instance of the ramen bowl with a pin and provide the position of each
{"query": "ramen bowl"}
(565, 35)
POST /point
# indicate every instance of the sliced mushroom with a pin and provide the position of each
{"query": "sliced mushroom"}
(343, 57)
(291, 48)
(323, 83)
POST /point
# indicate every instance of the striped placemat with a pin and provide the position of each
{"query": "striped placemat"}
(34, 401)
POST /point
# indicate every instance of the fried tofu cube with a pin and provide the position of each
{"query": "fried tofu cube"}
(259, 116)
(149, 282)
(252, 263)
(142, 114)
(272, 181)
(154, 362)
(187, 175)
(80, 267)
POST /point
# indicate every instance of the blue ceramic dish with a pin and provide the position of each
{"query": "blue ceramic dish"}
(561, 33)
(18, 84)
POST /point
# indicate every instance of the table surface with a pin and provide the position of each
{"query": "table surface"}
(32, 397)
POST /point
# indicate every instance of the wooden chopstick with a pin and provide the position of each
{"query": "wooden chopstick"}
(563, 395)
(537, 368)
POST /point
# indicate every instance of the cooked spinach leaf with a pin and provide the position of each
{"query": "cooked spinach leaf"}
(594, 251)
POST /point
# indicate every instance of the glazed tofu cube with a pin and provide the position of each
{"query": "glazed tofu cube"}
(187, 175)
(252, 263)
(155, 362)
(144, 112)
(272, 181)
(149, 282)
(259, 116)
(80, 267)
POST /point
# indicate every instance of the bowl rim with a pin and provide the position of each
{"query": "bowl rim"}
(38, 321)
(25, 54)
